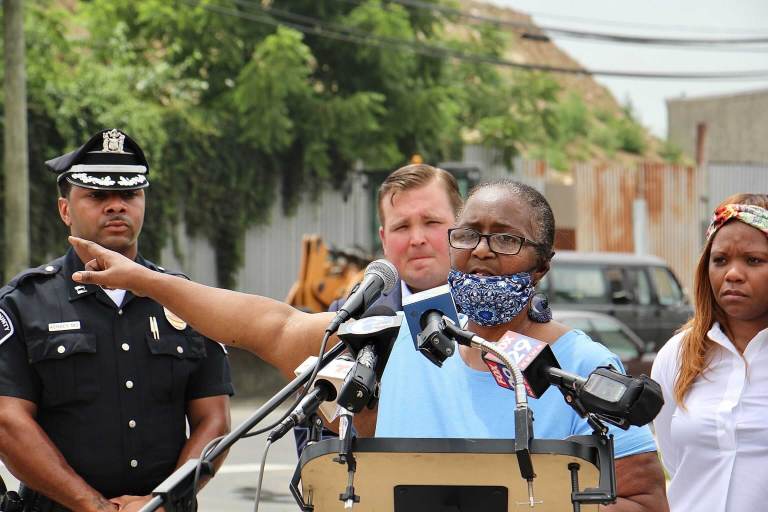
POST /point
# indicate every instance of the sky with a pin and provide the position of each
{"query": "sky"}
(658, 18)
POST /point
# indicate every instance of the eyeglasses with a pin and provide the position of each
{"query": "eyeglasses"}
(501, 243)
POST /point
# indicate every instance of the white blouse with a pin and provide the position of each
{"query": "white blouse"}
(716, 450)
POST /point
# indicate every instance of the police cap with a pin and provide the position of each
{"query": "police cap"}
(110, 160)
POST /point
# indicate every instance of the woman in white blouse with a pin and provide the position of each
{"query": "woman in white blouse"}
(713, 429)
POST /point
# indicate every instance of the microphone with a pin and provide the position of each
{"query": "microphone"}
(532, 356)
(333, 373)
(322, 391)
(370, 339)
(424, 313)
(380, 276)
(360, 385)
(617, 398)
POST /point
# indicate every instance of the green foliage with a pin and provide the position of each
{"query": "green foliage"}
(234, 114)
(631, 134)
(671, 152)
(619, 133)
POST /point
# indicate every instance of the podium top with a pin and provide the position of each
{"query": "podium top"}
(384, 464)
(582, 447)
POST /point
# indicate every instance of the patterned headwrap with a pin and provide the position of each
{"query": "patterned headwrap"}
(755, 216)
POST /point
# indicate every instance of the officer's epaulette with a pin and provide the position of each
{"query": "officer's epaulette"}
(46, 270)
(158, 268)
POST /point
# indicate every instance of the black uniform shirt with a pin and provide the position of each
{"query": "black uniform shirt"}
(111, 383)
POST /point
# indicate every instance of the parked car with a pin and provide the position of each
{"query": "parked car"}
(636, 355)
(641, 291)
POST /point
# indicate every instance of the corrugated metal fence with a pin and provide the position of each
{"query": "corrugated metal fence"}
(726, 179)
(654, 208)
(607, 200)
(273, 251)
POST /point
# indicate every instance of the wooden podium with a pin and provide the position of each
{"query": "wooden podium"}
(572, 474)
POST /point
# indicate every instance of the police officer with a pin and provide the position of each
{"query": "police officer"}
(96, 385)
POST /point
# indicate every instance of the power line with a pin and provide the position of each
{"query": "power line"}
(651, 26)
(582, 34)
(343, 33)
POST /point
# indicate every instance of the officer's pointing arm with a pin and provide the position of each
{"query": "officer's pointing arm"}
(276, 332)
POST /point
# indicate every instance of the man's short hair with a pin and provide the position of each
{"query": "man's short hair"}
(65, 188)
(416, 176)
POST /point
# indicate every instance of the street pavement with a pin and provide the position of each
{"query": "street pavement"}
(233, 487)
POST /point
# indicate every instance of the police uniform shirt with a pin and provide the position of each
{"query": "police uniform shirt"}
(111, 383)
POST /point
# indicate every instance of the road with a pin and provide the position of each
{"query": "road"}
(233, 488)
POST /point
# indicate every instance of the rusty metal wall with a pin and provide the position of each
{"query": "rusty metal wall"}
(557, 186)
(675, 214)
(598, 206)
(605, 196)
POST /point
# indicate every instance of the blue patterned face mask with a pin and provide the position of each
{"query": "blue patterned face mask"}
(491, 300)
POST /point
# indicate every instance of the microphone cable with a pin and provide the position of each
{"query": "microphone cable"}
(199, 468)
(257, 496)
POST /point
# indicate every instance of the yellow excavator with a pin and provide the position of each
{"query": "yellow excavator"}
(325, 274)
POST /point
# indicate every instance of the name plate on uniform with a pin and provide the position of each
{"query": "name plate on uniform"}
(64, 326)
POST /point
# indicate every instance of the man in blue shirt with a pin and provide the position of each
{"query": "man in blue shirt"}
(416, 205)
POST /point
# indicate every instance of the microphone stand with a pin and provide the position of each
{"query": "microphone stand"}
(523, 415)
(176, 492)
(347, 456)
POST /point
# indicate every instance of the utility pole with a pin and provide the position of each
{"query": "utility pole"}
(15, 153)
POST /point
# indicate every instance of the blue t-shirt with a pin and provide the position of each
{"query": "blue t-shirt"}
(420, 400)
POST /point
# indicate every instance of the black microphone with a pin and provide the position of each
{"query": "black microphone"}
(370, 339)
(424, 312)
(380, 277)
(322, 391)
(360, 385)
(614, 397)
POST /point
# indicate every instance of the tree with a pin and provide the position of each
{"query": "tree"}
(241, 103)
(15, 159)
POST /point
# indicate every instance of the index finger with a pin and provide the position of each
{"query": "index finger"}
(85, 249)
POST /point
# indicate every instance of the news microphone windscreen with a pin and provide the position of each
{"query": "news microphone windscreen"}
(434, 299)
(379, 326)
(334, 372)
(532, 356)
(386, 271)
(379, 321)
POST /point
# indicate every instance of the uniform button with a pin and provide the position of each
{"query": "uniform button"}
(49, 268)
(134, 463)
(126, 347)
(132, 424)
(179, 349)
(129, 384)
(61, 349)
(120, 312)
